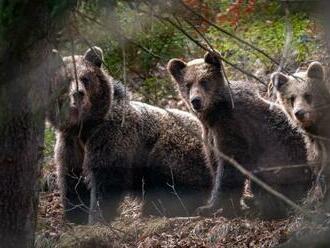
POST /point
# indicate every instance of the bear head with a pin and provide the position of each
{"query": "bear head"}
(199, 81)
(81, 90)
(303, 95)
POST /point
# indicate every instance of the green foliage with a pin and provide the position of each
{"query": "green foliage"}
(157, 44)
(267, 31)
(57, 7)
(264, 29)
(159, 41)
(154, 90)
(49, 142)
(10, 12)
(148, 44)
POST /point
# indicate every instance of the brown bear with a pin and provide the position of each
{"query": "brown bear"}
(305, 99)
(123, 147)
(237, 123)
(68, 109)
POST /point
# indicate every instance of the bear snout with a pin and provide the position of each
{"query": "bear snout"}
(196, 103)
(78, 98)
(300, 114)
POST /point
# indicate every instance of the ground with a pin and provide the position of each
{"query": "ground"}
(133, 230)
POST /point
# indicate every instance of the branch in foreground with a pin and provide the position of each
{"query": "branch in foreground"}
(172, 186)
(209, 50)
(120, 34)
(252, 177)
(285, 167)
(263, 185)
(229, 34)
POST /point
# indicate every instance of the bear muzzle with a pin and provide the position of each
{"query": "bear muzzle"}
(306, 118)
(300, 115)
(196, 104)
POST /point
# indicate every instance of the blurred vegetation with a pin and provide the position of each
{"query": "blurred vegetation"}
(49, 142)
(264, 28)
(267, 31)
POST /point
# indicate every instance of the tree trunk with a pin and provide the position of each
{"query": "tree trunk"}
(25, 67)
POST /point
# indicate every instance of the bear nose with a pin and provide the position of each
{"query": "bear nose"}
(196, 102)
(78, 97)
(300, 114)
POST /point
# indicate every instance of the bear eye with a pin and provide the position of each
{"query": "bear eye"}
(292, 98)
(188, 85)
(85, 80)
(308, 98)
(204, 84)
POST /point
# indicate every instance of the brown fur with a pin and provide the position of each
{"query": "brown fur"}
(305, 99)
(251, 133)
(305, 93)
(73, 106)
(127, 147)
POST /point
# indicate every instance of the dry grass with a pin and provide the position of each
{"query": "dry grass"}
(132, 230)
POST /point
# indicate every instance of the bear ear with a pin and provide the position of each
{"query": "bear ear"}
(94, 55)
(279, 80)
(175, 67)
(212, 58)
(57, 58)
(315, 70)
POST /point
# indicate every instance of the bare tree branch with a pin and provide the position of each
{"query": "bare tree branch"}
(118, 34)
(263, 185)
(207, 49)
(172, 186)
(229, 34)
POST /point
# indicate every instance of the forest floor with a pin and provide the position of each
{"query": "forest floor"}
(130, 229)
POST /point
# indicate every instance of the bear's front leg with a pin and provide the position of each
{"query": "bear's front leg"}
(106, 194)
(73, 189)
(214, 200)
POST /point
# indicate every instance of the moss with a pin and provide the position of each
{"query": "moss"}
(49, 142)
(267, 33)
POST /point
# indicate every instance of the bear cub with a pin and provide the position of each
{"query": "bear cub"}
(305, 99)
(249, 131)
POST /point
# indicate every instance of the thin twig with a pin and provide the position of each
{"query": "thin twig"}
(223, 69)
(324, 160)
(285, 167)
(172, 186)
(286, 50)
(143, 190)
(158, 210)
(124, 77)
(262, 184)
(119, 34)
(78, 195)
(74, 62)
(249, 175)
(207, 49)
(228, 33)
(200, 34)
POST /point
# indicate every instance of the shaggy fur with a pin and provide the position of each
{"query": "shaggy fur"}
(126, 147)
(250, 132)
(87, 99)
(305, 99)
